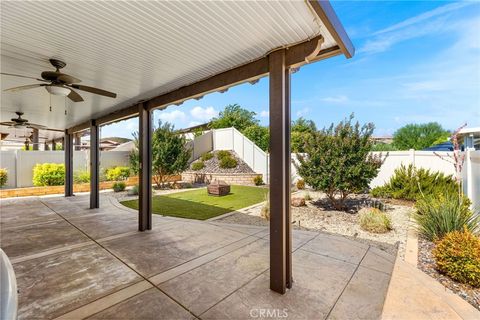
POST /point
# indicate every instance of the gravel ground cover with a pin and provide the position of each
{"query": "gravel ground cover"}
(426, 263)
(213, 166)
(317, 216)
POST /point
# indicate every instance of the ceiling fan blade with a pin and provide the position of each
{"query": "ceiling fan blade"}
(74, 96)
(21, 76)
(65, 78)
(94, 90)
(7, 123)
(29, 86)
(36, 126)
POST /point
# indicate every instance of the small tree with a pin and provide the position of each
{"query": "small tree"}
(418, 136)
(338, 162)
(234, 116)
(169, 153)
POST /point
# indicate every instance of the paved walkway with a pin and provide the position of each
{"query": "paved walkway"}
(74, 263)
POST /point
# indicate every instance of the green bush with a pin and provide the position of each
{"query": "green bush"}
(375, 220)
(458, 256)
(49, 174)
(119, 186)
(228, 162)
(222, 154)
(3, 177)
(410, 183)
(117, 173)
(258, 180)
(134, 190)
(198, 165)
(300, 184)
(206, 156)
(81, 177)
(438, 215)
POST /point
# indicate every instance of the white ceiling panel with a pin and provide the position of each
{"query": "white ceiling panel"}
(137, 49)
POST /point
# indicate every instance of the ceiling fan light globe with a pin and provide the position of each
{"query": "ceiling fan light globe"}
(58, 90)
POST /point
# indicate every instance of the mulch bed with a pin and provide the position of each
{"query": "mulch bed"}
(426, 263)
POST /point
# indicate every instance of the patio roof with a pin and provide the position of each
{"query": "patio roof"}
(145, 49)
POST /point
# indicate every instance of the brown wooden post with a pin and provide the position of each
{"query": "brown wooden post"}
(68, 164)
(280, 229)
(54, 145)
(35, 139)
(145, 175)
(94, 165)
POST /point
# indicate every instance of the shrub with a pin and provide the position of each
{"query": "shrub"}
(375, 220)
(81, 177)
(3, 177)
(228, 162)
(49, 174)
(458, 256)
(119, 186)
(307, 196)
(300, 184)
(258, 180)
(133, 191)
(438, 215)
(222, 154)
(410, 183)
(207, 156)
(338, 161)
(117, 173)
(198, 165)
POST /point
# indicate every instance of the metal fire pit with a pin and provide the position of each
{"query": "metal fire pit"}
(218, 188)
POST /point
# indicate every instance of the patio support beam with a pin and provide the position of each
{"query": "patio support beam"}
(68, 163)
(145, 175)
(77, 141)
(94, 165)
(35, 139)
(280, 229)
(54, 144)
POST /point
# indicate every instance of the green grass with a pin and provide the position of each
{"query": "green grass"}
(197, 204)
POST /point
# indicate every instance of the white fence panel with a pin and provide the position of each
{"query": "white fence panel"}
(471, 178)
(238, 143)
(110, 159)
(8, 162)
(223, 139)
(200, 145)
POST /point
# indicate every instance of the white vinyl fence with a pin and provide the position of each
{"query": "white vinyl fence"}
(20, 163)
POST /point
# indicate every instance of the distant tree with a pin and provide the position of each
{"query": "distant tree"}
(259, 135)
(382, 146)
(234, 116)
(338, 161)
(418, 136)
(301, 134)
(169, 153)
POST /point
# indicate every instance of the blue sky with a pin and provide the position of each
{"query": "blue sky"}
(415, 62)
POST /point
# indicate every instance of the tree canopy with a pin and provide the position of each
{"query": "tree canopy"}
(234, 116)
(418, 136)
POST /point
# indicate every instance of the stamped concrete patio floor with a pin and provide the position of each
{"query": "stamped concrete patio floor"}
(75, 263)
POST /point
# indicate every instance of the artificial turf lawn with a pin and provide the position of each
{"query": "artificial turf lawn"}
(197, 204)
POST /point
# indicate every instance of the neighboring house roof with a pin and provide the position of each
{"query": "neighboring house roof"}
(127, 146)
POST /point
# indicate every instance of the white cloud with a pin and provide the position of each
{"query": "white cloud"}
(171, 116)
(303, 112)
(264, 113)
(427, 23)
(194, 123)
(336, 99)
(203, 114)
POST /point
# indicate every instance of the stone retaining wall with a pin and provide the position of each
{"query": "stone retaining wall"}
(244, 179)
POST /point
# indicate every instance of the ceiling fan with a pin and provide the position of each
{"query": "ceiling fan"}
(21, 123)
(59, 83)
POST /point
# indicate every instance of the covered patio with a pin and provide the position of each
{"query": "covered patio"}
(72, 262)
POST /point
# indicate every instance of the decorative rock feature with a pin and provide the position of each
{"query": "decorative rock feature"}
(218, 188)
(298, 202)
(241, 179)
